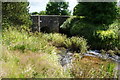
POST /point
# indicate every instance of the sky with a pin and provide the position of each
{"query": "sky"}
(40, 5)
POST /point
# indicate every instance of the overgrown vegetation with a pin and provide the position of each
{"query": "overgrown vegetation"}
(27, 54)
(109, 39)
(22, 40)
(92, 67)
(57, 8)
(30, 53)
(34, 55)
(105, 14)
(15, 13)
(101, 29)
(15, 64)
(98, 36)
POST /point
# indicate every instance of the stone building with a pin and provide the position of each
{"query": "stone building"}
(47, 23)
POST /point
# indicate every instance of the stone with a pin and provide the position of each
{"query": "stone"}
(47, 23)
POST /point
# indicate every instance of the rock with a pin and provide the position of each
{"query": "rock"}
(69, 53)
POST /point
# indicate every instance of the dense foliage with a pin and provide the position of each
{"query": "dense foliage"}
(98, 36)
(39, 55)
(110, 38)
(16, 40)
(34, 55)
(99, 25)
(42, 13)
(97, 12)
(34, 13)
(57, 8)
(39, 13)
(15, 13)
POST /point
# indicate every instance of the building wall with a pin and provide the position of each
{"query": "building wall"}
(47, 23)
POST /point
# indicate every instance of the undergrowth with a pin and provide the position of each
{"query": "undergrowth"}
(26, 54)
(33, 55)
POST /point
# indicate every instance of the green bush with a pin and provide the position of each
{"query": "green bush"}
(66, 26)
(98, 36)
(107, 35)
(109, 39)
(76, 44)
(74, 27)
(55, 38)
(68, 43)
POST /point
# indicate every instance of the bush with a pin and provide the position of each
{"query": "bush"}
(74, 26)
(76, 44)
(55, 38)
(98, 36)
(66, 26)
(109, 39)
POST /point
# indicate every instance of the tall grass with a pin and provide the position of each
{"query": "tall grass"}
(26, 54)
(91, 67)
(29, 65)
(33, 55)
(21, 40)
(39, 42)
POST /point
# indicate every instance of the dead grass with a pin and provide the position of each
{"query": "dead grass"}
(92, 67)
(27, 65)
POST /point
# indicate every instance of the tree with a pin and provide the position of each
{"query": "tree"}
(42, 13)
(57, 8)
(15, 13)
(97, 12)
(35, 13)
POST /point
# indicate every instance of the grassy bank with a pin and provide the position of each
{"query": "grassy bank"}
(26, 54)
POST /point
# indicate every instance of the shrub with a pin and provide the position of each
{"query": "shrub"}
(76, 44)
(55, 38)
(66, 26)
(82, 29)
(109, 39)
(98, 36)
(68, 43)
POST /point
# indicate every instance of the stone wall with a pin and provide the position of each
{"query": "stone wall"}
(47, 23)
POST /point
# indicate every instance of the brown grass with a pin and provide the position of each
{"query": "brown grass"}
(90, 67)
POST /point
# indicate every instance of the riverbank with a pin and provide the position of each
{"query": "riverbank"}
(90, 64)
(40, 55)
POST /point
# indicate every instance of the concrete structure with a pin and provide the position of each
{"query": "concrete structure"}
(47, 23)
